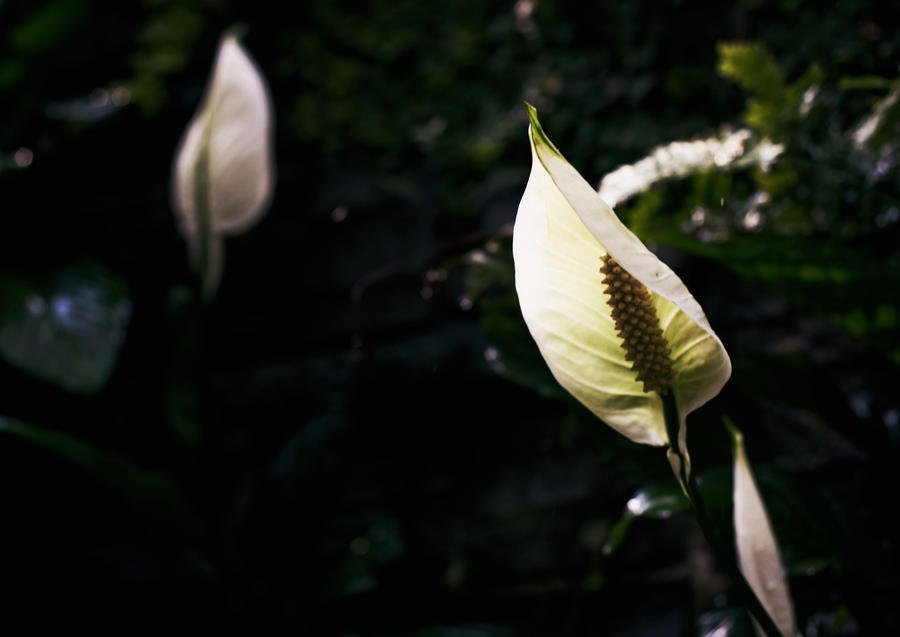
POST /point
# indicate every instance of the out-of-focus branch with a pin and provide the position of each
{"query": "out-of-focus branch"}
(679, 159)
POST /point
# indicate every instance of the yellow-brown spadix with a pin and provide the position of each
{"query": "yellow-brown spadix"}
(223, 174)
(616, 326)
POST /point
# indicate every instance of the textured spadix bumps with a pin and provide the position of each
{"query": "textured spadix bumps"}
(638, 326)
(564, 234)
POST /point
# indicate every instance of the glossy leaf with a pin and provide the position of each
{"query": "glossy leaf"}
(845, 284)
(656, 502)
(729, 621)
(154, 495)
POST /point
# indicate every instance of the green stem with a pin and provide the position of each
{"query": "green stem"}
(201, 243)
(720, 545)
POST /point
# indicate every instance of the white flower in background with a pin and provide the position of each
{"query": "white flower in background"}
(616, 326)
(223, 174)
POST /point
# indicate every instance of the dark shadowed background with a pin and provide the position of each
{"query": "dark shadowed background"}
(358, 437)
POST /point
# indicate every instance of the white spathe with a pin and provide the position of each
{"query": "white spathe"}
(223, 175)
(562, 230)
(757, 549)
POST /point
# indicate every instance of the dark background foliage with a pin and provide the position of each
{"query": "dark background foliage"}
(358, 436)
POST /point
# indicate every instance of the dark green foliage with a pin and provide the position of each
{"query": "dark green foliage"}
(776, 106)
(358, 437)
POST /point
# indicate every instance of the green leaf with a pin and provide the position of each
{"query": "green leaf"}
(655, 501)
(850, 287)
(865, 83)
(155, 496)
(775, 105)
(511, 354)
(47, 26)
(752, 67)
(67, 330)
(730, 621)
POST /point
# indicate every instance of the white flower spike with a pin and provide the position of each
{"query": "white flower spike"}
(616, 326)
(223, 174)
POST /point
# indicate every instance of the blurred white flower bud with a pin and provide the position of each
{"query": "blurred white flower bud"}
(223, 174)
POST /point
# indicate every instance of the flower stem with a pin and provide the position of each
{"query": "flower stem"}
(720, 545)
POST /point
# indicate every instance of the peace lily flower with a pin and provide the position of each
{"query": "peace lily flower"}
(621, 332)
(618, 329)
(223, 174)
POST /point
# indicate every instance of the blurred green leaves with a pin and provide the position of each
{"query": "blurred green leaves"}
(655, 501)
(155, 497)
(754, 68)
(851, 287)
(813, 221)
(66, 328)
(775, 105)
(510, 352)
(43, 30)
(165, 40)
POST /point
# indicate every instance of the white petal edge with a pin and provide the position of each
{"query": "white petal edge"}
(757, 549)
